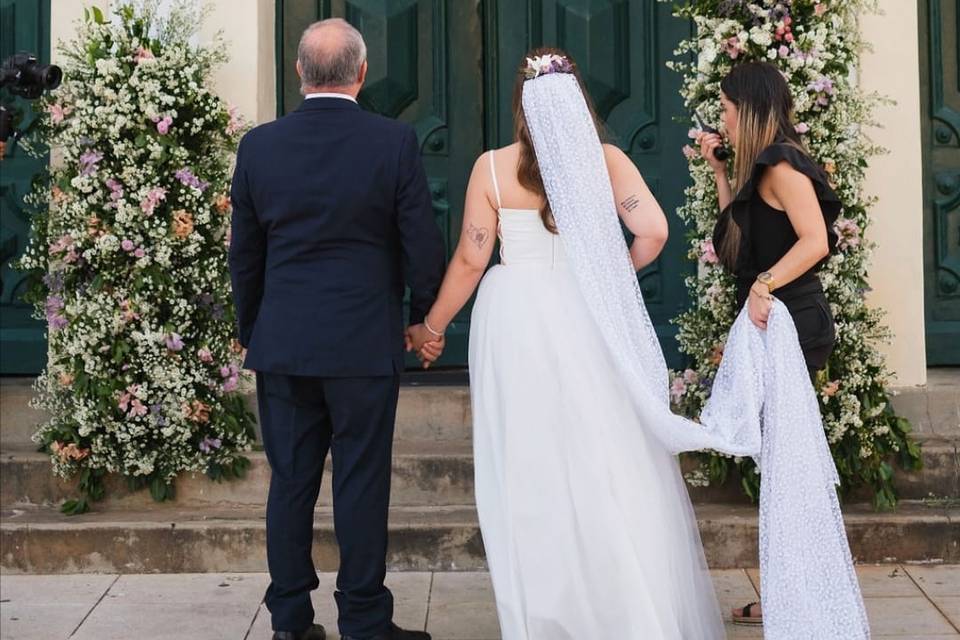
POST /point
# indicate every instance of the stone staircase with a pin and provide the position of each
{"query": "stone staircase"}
(220, 526)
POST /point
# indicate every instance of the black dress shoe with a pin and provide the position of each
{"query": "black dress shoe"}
(394, 633)
(315, 632)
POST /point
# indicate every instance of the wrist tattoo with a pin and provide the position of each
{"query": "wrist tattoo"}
(630, 203)
(477, 235)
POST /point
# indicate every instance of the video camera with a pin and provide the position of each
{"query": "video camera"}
(23, 76)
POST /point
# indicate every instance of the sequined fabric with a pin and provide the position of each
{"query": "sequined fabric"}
(762, 403)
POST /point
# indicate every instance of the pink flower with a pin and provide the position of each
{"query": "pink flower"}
(137, 409)
(732, 47)
(143, 54)
(788, 37)
(58, 112)
(163, 125)
(820, 8)
(139, 252)
(830, 389)
(127, 245)
(848, 232)
(127, 397)
(62, 244)
(784, 51)
(689, 152)
(205, 355)
(235, 123)
(154, 197)
(116, 191)
(677, 389)
(693, 132)
(690, 376)
(802, 127)
(708, 254)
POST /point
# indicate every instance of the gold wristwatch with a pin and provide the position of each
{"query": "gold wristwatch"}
(767, 278)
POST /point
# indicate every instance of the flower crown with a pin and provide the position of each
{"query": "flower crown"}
(545, 64)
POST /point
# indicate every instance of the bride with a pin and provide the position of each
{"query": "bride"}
(588, 528)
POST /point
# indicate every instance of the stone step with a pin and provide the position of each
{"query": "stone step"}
(424, 474)
(436, 413)
(40, 540)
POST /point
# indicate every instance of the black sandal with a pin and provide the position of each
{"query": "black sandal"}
(746, 616)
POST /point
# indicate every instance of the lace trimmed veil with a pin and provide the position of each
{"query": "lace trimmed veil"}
(762, 402)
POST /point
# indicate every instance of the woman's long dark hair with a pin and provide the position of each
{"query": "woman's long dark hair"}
(528, 171)
(764, 116)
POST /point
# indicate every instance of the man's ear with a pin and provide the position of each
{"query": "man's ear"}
(363, 73)
(299, 70)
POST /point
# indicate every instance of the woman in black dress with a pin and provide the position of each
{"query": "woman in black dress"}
(776, 223)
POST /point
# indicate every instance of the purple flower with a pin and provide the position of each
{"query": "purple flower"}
(55, 318)
(54, 281)
(187, 178)
(174, 342)
(208, 445)
(88, 162)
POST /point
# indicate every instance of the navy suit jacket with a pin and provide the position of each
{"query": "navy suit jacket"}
(332, 215)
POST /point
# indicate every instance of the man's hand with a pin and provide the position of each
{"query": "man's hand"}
(427, 345)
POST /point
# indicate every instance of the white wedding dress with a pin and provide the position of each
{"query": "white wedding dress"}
(586, 521)
(587, 525)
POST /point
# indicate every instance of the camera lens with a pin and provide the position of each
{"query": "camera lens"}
(51, 76)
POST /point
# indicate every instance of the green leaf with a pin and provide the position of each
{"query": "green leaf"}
(75, 507)
(98, 15)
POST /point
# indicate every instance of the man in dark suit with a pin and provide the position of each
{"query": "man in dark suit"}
(331, 217)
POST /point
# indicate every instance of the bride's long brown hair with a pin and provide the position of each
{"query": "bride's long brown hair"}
(528, 171)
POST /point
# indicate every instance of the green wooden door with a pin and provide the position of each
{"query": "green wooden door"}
(425, 69)
(447, 66)
(621, 47)
(940, 84)
(24, 27)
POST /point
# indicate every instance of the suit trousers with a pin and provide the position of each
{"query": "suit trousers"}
(302, 419)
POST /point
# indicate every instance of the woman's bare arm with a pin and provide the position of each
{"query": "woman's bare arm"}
(639, 210)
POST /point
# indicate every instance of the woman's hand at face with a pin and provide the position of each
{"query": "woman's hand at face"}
(709, 142)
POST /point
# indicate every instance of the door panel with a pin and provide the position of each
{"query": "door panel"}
(940, 83)
(24, 27)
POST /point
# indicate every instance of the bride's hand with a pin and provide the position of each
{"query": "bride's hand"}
(708, 142)
(759, 304)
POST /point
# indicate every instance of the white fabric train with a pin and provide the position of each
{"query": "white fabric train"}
(762, 403)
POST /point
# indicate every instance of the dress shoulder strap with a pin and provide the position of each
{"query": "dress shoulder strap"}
(493, 175)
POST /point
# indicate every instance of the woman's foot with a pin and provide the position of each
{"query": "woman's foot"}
(749, 614)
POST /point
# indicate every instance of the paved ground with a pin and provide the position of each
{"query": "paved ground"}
(918, 602)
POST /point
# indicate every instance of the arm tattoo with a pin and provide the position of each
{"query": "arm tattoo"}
(477, 235)
(631, 203)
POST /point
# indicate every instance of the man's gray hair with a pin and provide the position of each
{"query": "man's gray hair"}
(334, 64)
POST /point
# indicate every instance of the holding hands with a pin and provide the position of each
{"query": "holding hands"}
(428, 344)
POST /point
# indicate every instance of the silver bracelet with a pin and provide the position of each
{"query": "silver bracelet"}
(430, 329)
